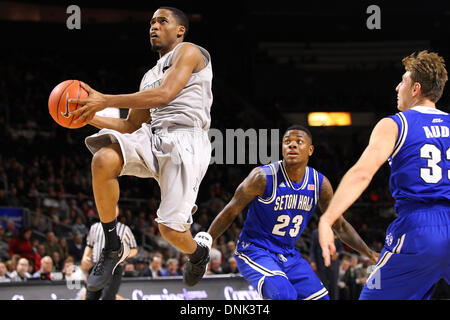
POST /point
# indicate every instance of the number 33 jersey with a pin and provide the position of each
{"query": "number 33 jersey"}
(420, 163)
(276, 219)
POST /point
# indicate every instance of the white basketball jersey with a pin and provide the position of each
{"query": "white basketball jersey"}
(192, 106)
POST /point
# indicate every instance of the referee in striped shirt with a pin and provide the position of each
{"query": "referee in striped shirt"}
(95, 243)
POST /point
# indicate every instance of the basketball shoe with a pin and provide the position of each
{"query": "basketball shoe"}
(103, 270)
(194, 272)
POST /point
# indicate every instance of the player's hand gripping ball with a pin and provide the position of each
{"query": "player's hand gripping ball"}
(59, 106)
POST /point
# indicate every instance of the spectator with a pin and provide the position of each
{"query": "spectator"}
(4, 245)
(73, 207)
(22, 246)
(39, 222)
(3, 273)
(231, 266)
(76, 247)
(21, 273)
(344, 293)
(79, 272)
(3, 198)
(63, 208)
(140, 265)
(129, 271)
(53, 245)
(10, 231)
(68, 268)
(73, 215)
(215, 254)
(230, 248)
(10, 267)
(65, 248)
(182, 261)
(215, 266)
(11, 199)
(350, 279)
(362, 273)
(154, 269)
(58, 263)
(172, 268)
(80, 227)
(41, 249)
(45, 272)
(328, 275)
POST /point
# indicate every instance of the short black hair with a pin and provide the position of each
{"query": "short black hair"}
(299, 127)
(180, 16)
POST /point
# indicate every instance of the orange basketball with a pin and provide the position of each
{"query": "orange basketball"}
(59, 106)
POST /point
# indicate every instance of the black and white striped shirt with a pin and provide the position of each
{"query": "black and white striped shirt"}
(96, 238)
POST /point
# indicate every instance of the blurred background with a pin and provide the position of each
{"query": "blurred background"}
(273, 65)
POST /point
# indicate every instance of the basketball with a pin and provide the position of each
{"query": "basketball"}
(59, 107)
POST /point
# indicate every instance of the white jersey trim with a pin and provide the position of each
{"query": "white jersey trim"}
(428, 110)
(402, 135)
(274, 186)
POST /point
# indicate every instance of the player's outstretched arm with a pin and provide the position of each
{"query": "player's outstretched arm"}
(342, 228)
(355, 181)
(252, 186)
(136, 117)
(186, 60)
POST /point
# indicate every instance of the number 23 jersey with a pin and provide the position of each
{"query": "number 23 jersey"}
(276, 219)
(420, 170)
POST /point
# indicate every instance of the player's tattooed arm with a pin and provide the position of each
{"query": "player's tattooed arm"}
(252, 186)
(342, 228)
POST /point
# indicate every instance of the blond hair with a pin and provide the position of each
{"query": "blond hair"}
(428, 69)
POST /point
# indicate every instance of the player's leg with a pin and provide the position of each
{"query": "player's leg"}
(184, 162)
(260, 267)
(306, 283)
(106, 166)
(116, 154)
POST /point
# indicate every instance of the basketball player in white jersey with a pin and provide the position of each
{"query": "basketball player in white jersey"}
(164, 137)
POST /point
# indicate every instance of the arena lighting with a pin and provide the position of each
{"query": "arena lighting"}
(320, 119)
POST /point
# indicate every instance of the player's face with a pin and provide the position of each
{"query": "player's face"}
(404, 92)
(164, 30)
(297, 147)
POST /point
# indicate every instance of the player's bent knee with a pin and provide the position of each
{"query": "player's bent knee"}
(278, 288)
(108, 160)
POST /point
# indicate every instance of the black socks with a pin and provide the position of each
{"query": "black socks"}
(112, 241)
(199, 254)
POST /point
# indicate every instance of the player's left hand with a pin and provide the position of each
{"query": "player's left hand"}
(373, 256)
(326, 240)
(95, 102)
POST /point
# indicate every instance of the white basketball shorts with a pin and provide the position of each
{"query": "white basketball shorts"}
(177, 157)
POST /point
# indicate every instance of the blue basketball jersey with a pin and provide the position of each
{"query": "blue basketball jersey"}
(276, 219)
(420, 163)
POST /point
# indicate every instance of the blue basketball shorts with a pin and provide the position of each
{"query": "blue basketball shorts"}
(415, 256)
(262, 267)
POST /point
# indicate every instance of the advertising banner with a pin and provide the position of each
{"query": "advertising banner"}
(220, 287)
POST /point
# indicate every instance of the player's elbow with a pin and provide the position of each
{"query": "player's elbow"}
(361, 174)
(165, 96)
(130, 126)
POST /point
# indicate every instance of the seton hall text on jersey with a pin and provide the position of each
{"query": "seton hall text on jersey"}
(293, 201)
(436, 131)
